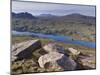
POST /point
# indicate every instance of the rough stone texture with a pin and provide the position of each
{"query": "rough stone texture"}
(52, 47)
(57, 62)
(24, 49)
(87, 61)
(73, 51)
(48, 58)
(13, 58)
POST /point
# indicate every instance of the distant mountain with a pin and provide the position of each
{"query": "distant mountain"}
(75, 17)
(23, 15)
(76, 25)
(78, 16)
(47, 15)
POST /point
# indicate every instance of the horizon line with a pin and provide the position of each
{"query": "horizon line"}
(52, 14)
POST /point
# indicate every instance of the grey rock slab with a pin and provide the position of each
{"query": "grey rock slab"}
(25, 49)
(58, 61)
(52, 47)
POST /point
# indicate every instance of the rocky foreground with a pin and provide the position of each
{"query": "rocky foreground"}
(31, 57)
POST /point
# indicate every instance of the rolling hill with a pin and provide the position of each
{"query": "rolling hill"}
(76, 25)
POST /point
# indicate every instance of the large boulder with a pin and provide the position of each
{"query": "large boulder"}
(24, 49)
(88, 62)
(52, 47)
(57, 62)
(73, 51)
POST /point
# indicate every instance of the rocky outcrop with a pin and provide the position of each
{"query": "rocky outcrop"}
(24, 49)
(73, 51)
(56, 59)
(87, 62)
(48, 58)
(57, 62)
(52, 47)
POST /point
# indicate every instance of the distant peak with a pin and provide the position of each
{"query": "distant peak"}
(23, 15)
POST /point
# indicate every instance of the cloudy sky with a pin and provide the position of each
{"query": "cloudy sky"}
(48, 8)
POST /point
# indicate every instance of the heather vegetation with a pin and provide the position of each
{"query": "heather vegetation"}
(78, 26)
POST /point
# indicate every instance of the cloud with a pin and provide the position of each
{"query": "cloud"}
(51, 8)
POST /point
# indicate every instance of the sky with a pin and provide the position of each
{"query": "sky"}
(51, 8)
